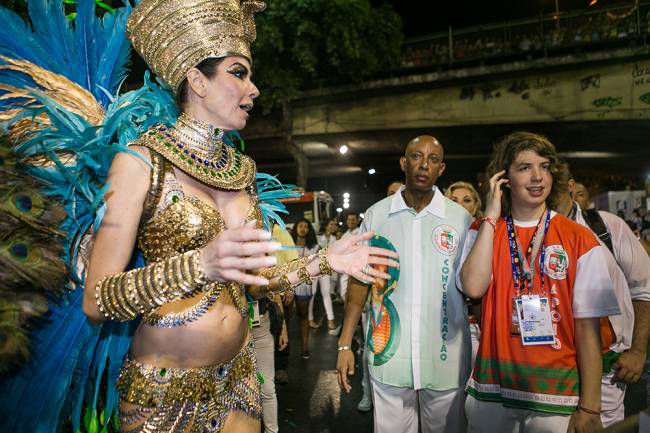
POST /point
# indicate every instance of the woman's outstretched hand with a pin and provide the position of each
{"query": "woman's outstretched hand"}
(350, 256)
(237, 250)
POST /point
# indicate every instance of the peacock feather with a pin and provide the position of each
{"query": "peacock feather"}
(31, 246)
(59, 81)
(62, 112)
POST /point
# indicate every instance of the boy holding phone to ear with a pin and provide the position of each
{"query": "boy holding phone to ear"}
(544, 285)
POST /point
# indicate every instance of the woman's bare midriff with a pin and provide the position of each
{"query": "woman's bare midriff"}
(215, 338)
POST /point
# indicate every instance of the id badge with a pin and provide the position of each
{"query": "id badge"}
(535, 324)
(255, 319)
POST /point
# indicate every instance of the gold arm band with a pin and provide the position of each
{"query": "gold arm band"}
(303, 275)
(285, 268)
(323, 265)
(300, 265)
(123, 296)
(284, 284)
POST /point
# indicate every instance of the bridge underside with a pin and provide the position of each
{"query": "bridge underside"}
(596, 111)
(593, 148)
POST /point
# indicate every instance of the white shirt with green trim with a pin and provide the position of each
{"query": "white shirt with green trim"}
(427, 345)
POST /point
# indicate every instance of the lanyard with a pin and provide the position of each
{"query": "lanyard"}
(523, 270)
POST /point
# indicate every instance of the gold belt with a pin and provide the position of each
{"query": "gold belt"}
(153, 386)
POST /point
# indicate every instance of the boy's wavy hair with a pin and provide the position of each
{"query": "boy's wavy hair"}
(506, 151)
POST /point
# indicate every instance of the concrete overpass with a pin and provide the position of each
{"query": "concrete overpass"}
(595, 107)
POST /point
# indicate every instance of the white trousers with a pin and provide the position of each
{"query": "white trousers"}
(400, 410)
(475, 334)
(265, 348)
(343, 286)
(325, 286)
(365, 380)
(612, 397)
(491, 417)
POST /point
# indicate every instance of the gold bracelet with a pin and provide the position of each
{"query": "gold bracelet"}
(169, 273)
(284, 283)
(125, 295)
(323, 265)
(121, 306)
(303, 275)
(148, 284)
(99, 301)
(112, 296)
(130, 294)
(197, 269)
(188, 279)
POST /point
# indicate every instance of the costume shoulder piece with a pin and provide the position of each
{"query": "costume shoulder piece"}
(229, 169)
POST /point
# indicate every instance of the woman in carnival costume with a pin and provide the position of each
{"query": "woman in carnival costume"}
(185, 199)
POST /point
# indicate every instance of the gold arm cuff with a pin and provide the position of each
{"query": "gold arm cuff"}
(323, 265)
(303, 275)
(125, 295)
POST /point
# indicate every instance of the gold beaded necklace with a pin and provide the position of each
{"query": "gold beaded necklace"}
(198, 149)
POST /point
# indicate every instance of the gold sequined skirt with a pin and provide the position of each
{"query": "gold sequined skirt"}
(181, 400)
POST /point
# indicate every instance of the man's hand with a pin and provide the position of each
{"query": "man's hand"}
(629, 366)
(283, 341)
(345, 367)
(582, 422)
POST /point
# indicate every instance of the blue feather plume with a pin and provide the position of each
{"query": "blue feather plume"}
(91, 51)
(44, 381)
(68, 380)
(70, 356)
(270, 191)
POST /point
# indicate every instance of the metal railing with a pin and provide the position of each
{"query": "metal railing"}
(544, 36)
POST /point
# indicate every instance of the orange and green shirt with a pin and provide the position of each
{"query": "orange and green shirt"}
(539, 377)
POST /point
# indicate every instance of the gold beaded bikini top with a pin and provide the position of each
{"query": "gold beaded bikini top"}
(181, 223)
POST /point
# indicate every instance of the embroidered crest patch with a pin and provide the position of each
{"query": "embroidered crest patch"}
(446, 239)
(556, 262)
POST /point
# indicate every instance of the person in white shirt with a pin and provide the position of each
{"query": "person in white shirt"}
(627, 350)
(304, 237)
(418, 347)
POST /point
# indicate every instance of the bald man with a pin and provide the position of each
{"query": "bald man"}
(418, 347)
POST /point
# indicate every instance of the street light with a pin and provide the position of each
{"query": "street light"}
(346, 195)
(343, 149)
(372, 171)
(346, 205)
(339, 209)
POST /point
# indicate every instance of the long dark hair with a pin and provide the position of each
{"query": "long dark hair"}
(325, 224)
(310, 239)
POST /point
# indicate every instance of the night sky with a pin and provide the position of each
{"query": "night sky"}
(464, 13)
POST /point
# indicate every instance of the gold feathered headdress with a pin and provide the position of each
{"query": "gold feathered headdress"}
(173, 36)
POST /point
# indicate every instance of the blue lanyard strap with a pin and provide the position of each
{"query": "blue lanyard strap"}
(522, 270)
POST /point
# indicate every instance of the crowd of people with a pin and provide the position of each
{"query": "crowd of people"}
(529, 312)
(533, 37)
